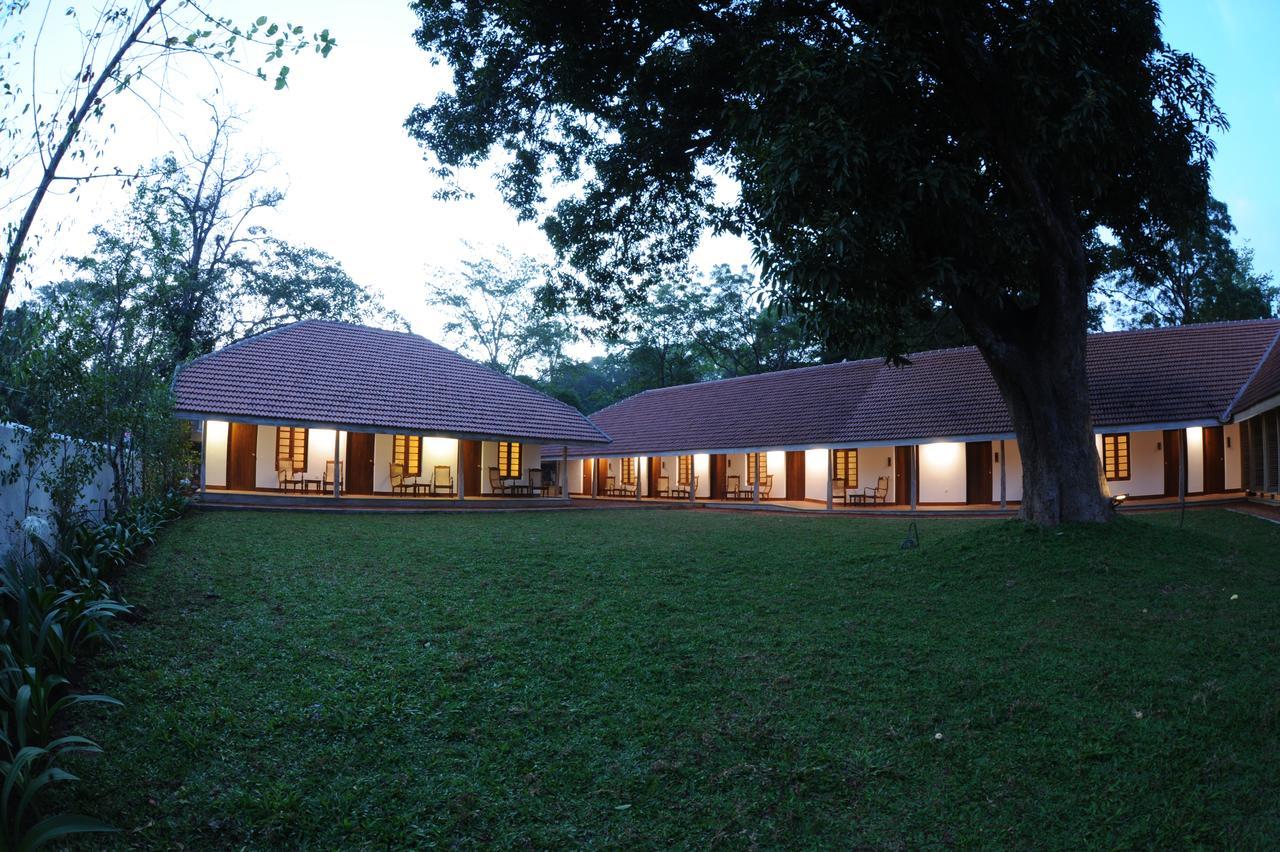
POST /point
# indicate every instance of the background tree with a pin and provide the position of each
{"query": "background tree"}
(743, 333)
(890, 156)
(208, 270)
(126, 48)
(1197, 275)
(493, 312)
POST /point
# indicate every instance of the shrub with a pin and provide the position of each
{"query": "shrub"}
(55, 608)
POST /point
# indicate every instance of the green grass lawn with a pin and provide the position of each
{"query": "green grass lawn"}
(656, 678)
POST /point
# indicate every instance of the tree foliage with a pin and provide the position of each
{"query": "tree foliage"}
(125, 49)
(1199, 275)
(494, 312)
(890, 157)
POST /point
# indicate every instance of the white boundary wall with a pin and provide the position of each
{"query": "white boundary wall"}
(27, 496)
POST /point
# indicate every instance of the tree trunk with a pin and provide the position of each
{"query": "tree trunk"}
(1047, 394)
(1036, 355)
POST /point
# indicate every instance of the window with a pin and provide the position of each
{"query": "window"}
(846, 467)
(751, 466)
(628, 470)
(509, 459)
(1115, 456)
(291, 448)
(407, 451)
(685, 470)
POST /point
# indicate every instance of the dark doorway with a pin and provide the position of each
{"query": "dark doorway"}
(795, 475)
(471, 468)
(655, 470)
(1215, 461)
(1172, 461)
(719, 473)
(902, 476)
(977, 457)
(359, 463)
(242, 456)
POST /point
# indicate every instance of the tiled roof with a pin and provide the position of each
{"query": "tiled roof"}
(331, 373)
(1265, 382)
(1149, 376)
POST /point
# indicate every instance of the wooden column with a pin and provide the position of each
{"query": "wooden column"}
(564, 472)
(337, 463)
(461, 474)
(755, 479)
(1002, 483)
(914, 483)
(204, 452)
(638, 460)
(595, 479)
(831, 469)
(1265, 485)
(1182, 468)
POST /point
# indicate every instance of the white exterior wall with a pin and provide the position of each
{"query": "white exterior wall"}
(575, 476)
(215, 437)
(1012, 471)
(815, 474)
(702, 470)
(775, 465)
(1195, 459)
(1231, 454)
(264, 472)
(531, 457)
(874, 462)
(942, 472)
(1146, 465)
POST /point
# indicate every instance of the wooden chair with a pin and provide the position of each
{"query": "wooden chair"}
(731, 490)
(610, 486)
(287, 478)
(537, 484)
(442, 481)
(496, 483)
(766, 486)
(879, 493)
(664, 486)
(839, 491)
(401, 483)
(682, 489)
(326, 484)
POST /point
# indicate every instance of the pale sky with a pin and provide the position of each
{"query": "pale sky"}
(357, 186)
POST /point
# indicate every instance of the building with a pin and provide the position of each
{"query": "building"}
(936, 433)
(321, 410)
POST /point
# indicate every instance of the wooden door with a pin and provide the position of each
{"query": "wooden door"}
(1215, 461)
(1172, 442)
(795, 475)
(719, 473)
(242, 456)
(655, 470)
(358, 464)
(602, 476)
(471, 468)
(902, 476)
(586, 475)
(977, 456)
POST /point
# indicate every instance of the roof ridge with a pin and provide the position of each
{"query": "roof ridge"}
(1253, 374)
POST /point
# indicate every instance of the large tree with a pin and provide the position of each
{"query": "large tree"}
(1199, 275)
(888, 155)
(56, 134)
(492, 310)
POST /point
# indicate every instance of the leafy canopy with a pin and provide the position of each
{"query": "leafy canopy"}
(889, 155)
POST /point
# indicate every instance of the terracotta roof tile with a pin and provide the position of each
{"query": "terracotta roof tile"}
(1148, 376)
(334, 373)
